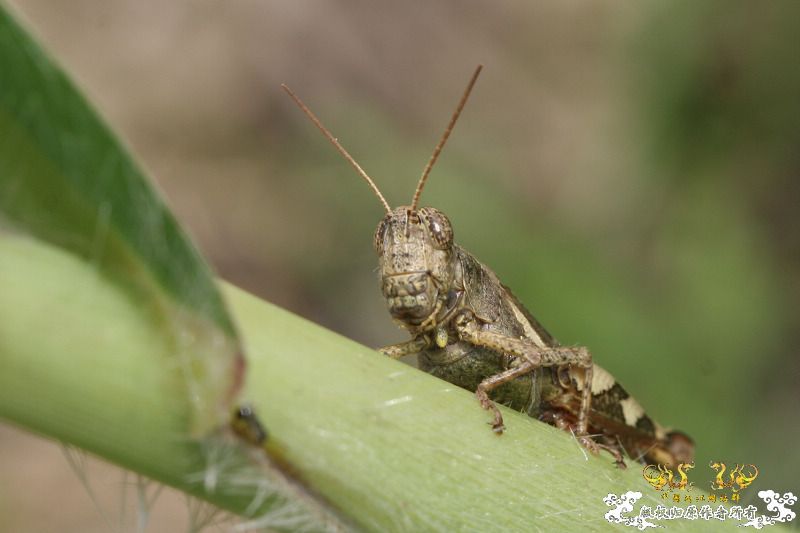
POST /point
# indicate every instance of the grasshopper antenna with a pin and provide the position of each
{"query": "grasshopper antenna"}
(443, 140)
(338, 146)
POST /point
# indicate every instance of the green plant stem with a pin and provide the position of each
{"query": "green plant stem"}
(388, 446)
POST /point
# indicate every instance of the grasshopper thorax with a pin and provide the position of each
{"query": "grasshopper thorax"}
(415, 254)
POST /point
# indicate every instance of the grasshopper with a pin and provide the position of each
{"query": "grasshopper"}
(469, 329)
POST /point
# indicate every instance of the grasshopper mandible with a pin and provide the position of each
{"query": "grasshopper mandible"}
(468, 328)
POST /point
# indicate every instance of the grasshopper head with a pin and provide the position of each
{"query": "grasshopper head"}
(415, 251)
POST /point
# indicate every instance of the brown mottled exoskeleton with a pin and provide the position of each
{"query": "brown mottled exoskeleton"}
(468, 328)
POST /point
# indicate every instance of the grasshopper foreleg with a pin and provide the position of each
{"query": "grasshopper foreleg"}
(415, 345)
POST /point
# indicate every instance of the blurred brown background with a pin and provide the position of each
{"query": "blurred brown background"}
(629, 169)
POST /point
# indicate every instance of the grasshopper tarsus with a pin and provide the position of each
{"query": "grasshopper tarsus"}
(615, 453)
(483, 398)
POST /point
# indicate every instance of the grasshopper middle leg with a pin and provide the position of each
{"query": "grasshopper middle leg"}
(532, 357)
(482, 392)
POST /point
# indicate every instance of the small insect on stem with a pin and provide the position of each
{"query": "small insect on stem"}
(246, 425)
(468, 328)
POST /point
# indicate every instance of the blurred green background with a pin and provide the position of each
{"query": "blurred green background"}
(630, 170)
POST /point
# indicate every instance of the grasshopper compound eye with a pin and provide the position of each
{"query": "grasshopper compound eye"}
(380, 234)
(439, 227)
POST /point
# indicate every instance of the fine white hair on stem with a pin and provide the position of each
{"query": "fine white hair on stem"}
(276, 501)
(581, 448)
(77, 461)
(203, 515)
(145, 502)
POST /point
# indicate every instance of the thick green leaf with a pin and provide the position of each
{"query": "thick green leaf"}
(66, 180)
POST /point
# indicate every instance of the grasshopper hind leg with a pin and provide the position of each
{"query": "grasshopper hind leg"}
(566, 421)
